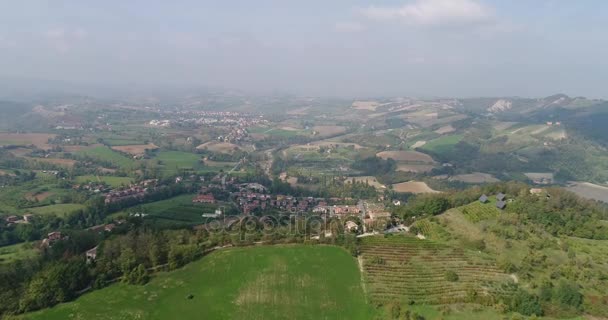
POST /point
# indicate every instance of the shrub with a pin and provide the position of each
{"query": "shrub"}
(451, 276)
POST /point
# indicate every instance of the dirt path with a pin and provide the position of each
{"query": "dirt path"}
(360, 263)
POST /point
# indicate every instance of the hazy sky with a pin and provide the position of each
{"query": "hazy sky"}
(328, 47)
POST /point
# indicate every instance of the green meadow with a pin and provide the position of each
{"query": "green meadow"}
(271, 282)
(105, 154)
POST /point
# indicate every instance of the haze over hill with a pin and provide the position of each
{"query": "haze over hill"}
(433, 48)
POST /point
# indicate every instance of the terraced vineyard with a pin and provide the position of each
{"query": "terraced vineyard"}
(407, 269)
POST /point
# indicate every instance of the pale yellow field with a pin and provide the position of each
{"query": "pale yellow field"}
(475, 177)
(415, 167)
(222, 147)
(413, 187)
(365, 105)
(413, 156)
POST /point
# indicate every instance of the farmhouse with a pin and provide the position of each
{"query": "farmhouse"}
(54, 236)
(204, 198)
(12, 219)
(501, 196)
(501, 205)
(483, 198)
(91, 255)
(351, 226)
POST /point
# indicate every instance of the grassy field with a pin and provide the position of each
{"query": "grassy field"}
(110, 180)
(443, 144)
(278, 282)
(16, 252)
(61, 209)
(171, 162)
(106, 154)
(175, 211)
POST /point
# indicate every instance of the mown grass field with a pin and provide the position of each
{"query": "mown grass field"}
(442, 145)
(112, 181)
(103, 153)
(61, 209)
(16, 252)
(273, 282)
(175, 211)
(171, 162)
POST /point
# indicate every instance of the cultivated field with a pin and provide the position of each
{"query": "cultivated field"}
(366, 105)
(61, 209)
(409, 156)
(442, 145)
(371, 180)
(39, 140)
(136, 150)
(220, 147)
(445, 129)
(174, 212)
(418, 144)
(17, 252)
(413, 187)
(415, 167)
(105, 154)
(475, 177)
(407, 269)
(329, 130)
(273, 282)
(56, 161)
(589, 190)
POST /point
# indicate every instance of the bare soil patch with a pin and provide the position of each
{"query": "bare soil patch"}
(475, 177)
(39, 196)
(589, 190)
(329, 130)
(4, 173)
(299, 111)
(366, 105)
(413, 187)
(413, 156)
(136, 149)
(445, 129)
(418, 144)
(415, 167)
(40, 140)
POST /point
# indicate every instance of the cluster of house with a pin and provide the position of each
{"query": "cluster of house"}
(14, 219)
(92, 186)
(51, 238)
(249, 201)
(101, 228)
(133, 191)
(501, 200)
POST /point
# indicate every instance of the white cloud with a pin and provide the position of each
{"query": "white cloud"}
(348, 27)
(432, 12)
